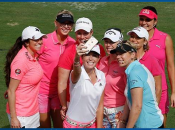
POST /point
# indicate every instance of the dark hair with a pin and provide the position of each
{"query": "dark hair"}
(151, 8)
(10, 56)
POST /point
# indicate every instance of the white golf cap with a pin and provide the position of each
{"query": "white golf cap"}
(31, 32)
(84, 24)
(113, 34)
(141, 32)
(96, 48)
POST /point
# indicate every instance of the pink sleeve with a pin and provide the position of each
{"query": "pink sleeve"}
(67, 58)
(18, 68)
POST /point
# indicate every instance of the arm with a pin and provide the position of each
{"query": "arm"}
(11, 100)
(124, 118)
(100, 112)
(137, 95)
(63, 75)
(75, 75)
(170, 67)
(158, 84)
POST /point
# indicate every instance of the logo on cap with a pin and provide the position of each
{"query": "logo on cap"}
(17, 71)
(111, 32)
(145, 11)
(66, 15)
(36, 29)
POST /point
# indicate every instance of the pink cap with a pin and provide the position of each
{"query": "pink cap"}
(148, 13)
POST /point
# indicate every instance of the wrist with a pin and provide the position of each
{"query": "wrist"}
(123, 122)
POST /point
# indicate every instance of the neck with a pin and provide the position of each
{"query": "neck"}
(32, 53)
(151, 33)
(90, 72)
(140, 54)
(61, 38)
(112, 57)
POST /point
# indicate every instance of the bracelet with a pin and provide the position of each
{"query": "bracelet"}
(76, 63)
(122, 121)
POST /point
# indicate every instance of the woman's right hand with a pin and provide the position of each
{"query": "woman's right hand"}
(81, 49)
(15, 123)
(6, 94)
(63, 112)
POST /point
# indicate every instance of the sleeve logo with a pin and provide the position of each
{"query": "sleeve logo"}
(17, 71)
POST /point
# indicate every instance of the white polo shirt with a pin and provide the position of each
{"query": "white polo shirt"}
(85, 97)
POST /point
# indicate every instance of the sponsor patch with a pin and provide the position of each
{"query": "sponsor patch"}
(17, 71)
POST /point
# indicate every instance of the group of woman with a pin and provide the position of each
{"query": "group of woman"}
(60, 80)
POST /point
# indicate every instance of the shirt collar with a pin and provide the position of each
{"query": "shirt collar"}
(28, 55)
(145, 56)
(55, 38)
(131, 66)
(155, 36)
(86, 76)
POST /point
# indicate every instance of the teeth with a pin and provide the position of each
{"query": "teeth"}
(90, 63)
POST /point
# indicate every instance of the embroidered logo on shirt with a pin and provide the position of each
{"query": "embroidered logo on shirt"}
(158, 46)
(17, 71)
(134, 81)
(101, 84)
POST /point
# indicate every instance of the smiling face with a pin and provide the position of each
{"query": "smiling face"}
(124, 59)
(90, 60)
(82, 35)
(140, 42)
(64, 28)
(34, 45)
(109, 45)
(147, 23)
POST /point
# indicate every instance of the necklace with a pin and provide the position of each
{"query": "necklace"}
(141, 56)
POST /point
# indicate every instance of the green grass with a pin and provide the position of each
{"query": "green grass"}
(15, 16)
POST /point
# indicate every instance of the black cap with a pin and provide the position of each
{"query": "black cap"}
(123, 48)
(65, 17)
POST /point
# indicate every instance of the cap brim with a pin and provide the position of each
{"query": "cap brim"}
(138, 34)
(39, 35)
(65, 19)
(82, 28)
(148, 16)
(118, 49)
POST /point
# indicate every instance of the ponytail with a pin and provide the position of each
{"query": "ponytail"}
(10, 56)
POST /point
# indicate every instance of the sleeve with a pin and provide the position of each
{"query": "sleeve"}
(18, 68)
(67, 58)
(135, 80)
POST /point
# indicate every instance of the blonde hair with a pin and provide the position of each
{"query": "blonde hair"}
(64, 11)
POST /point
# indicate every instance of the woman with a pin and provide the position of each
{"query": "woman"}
(86, 91)
(23, 75)
(83, 32)
(141, 109)
(53, 47)
(139, 36)
(114, 99)
(161, 47)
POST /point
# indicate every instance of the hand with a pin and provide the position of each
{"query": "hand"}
(6, 94)
(121, 125)
(15, 123)
(63, 112)
(173, 100)
(81, 49)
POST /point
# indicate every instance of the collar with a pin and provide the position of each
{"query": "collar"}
(55, 38)
(28, 55)
(131, 66)
(155, 35)
(86, 76)
(145, 56)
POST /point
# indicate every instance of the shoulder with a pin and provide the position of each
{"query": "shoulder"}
(71, 39)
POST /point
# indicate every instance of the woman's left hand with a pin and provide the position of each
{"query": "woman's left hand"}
(173, 100)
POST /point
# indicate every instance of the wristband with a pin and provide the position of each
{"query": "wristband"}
(122, 121)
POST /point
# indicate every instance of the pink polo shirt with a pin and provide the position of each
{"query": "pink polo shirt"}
(158, 50)
(151, 63)
(26, 69)
(49, 57)
(115, 83)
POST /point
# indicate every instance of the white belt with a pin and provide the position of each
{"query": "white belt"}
(80, 124)
(113, 110)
